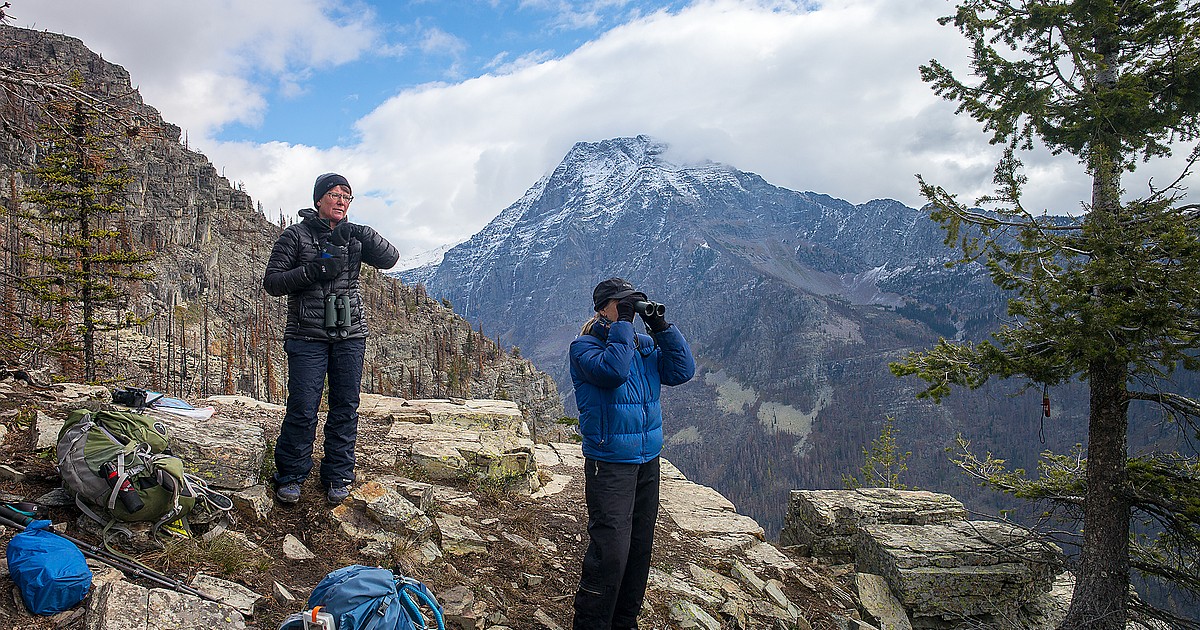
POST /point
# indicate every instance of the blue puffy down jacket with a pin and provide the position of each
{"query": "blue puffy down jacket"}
(618, 375)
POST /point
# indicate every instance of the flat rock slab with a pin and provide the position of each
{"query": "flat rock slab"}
(477, 414)
(570, 455)
(449, 452)
(701, 510)
(960, 569)
(120, 605)
(245, 401)
(824, 523)
(225, 452)
(230, 593)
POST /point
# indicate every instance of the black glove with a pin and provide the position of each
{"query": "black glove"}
(329, 265)
(343, 232)
(625, 308)
(656, 323)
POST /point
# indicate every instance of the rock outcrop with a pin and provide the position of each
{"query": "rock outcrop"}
(826, 523)
(455, 493)
(922, 564)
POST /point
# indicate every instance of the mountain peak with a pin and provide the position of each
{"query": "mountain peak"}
(640, 149)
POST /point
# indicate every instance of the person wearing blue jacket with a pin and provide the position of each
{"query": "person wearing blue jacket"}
(618, 374)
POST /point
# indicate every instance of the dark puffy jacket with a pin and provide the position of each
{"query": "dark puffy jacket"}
(618, 375)
(302, 243)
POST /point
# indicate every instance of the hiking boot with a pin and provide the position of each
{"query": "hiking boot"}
(288, 493)
(336, 494)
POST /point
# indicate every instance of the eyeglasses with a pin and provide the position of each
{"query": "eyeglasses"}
(337, 195)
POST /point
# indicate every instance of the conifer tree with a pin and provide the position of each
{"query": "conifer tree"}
(69, 225)
(1111, 296)
(883, 463)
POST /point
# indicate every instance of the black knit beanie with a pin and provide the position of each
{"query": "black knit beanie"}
(327, 181)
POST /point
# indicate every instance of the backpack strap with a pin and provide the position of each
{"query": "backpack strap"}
(409, 589)
(218, 506)
(108, 527)
(169, 482)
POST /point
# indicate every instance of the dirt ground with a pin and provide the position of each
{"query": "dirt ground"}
(514, 581)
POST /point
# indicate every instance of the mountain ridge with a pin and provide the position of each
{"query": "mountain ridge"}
(794, 302)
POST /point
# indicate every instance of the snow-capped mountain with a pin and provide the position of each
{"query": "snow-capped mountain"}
(794, 303)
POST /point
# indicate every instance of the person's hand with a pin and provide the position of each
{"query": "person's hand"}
(656, 323)
(324, 268)
(625, 308)
(343, 232)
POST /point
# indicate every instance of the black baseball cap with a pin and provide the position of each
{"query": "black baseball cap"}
(611, 289)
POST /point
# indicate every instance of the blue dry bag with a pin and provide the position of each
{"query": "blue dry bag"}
(370, 598)
(48, 569)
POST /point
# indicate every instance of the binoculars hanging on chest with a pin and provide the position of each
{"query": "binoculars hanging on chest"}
(337, 315)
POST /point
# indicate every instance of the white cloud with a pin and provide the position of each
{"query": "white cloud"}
(437, 41)
(500, 64)
(824, 98)
(202, 63)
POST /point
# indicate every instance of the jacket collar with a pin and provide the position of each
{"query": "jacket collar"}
(310, 218)
(600, 328)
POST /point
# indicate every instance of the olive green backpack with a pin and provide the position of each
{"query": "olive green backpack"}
(118, 466)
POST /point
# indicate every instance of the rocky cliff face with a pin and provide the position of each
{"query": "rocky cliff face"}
(212, 328)
(793, 302)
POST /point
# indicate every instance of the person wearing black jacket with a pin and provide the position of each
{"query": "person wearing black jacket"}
(315, 263)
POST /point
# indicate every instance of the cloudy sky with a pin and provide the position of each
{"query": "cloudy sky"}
(442, 113)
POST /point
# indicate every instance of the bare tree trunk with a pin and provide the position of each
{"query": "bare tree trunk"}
(1102, 578)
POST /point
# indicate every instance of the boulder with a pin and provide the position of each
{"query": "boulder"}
(225, 452)
(254, 502)
(959, 569)
(387, 523)
(457, 538)
(878, 602)
(689, 615)
(293, 549)
(824, 523)
(486, 439)
(231, 594)
(46, 428)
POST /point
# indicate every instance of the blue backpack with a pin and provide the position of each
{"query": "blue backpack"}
(48, 569)
(370, 598)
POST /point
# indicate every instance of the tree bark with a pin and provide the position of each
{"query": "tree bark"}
(1102, 578)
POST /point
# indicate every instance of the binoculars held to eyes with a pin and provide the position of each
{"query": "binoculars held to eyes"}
(649, 309)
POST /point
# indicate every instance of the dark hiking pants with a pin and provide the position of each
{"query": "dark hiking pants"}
(622, 502)
(308, 364)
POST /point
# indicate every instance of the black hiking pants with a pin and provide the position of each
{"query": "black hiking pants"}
(622, 502)
(309, 362)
